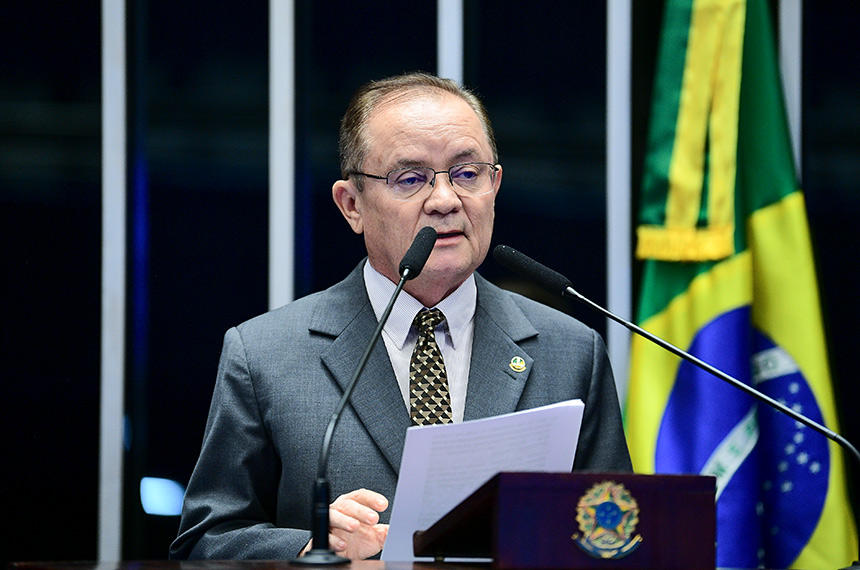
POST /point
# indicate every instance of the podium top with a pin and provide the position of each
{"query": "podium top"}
(238, 565)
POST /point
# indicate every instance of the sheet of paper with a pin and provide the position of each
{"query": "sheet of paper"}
(444, 464)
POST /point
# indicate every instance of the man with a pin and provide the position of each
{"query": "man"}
(416, 151)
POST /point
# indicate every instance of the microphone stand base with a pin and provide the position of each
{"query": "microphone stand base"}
(319, 557)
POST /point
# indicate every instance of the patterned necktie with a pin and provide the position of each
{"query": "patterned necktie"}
(429, 400)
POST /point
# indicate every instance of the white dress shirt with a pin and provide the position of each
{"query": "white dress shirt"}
(454, 336)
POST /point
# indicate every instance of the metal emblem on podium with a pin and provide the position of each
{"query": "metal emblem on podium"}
(607, 515)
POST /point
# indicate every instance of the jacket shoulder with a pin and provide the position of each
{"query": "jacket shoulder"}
(327, 312)
(510, 306)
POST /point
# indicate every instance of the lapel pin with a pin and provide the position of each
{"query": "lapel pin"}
(518, 364)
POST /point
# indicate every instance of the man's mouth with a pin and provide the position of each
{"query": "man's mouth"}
(443, 235)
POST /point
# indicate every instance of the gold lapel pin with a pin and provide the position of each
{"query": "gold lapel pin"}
(518, 364)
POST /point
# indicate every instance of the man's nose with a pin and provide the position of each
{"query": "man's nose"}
(443, 191)
(442, 177)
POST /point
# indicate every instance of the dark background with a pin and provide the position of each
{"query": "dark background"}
(198, 204)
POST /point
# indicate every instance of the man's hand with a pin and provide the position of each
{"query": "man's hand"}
(354, 522)
(354, 526)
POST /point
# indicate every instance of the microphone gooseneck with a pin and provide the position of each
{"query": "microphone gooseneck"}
(558, 284)
(321, 554)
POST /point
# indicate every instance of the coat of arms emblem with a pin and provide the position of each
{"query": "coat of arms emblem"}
(607, 515)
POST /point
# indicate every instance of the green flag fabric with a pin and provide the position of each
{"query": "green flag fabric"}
(729, 275)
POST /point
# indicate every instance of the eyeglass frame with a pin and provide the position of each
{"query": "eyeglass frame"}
(494, 169)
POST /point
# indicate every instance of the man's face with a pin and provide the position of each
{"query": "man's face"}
(437, 130)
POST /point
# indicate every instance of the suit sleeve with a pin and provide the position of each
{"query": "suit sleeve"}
(602, 445)
(231, 501)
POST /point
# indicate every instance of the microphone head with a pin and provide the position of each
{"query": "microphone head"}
(527, 267)
(418, 253)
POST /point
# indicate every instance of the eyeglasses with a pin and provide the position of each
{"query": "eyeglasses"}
(467, 179)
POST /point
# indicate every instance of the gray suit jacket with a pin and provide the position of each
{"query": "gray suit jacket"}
(281, 375)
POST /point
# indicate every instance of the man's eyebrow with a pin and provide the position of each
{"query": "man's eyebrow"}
(462, 156)
(406, 162)
(468, 154)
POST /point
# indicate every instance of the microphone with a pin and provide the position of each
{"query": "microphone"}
(417, 254)
(552, 281)
(321, 554)
(559, 284)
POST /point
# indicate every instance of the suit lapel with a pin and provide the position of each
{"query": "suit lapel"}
(495, 386)
(496, 379)
(345, 312)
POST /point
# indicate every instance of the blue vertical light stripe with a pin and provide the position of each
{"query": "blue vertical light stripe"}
(140, 266)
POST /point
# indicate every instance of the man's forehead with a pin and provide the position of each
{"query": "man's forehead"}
(446, 118)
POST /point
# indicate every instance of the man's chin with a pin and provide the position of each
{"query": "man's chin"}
(446, 271)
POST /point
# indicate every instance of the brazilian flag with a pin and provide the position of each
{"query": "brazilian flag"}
(729, 275)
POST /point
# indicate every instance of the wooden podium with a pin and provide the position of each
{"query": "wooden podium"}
(581, 521)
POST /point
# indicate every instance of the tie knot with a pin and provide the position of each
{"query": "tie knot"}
(428, 319)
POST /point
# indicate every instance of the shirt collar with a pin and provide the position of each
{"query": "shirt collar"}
(458, 307)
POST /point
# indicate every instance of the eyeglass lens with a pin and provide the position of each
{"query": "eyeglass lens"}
(474, 178)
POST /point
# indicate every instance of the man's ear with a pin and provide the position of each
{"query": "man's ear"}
(497, 182)
(347, 198)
